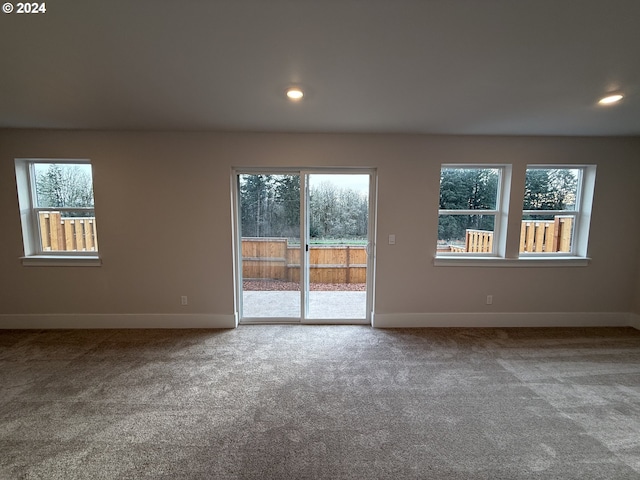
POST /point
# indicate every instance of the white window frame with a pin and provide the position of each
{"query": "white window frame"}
(509, 241)
(500, 213)
(581, 211)
(34, 255)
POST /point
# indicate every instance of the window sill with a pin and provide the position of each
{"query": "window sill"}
(61, 261)
(511, 262)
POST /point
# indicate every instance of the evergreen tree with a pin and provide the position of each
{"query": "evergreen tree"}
(466, 189)
(254, 195)
(550, 189)
(287, 199)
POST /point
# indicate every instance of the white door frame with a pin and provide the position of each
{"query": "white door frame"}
(304, 240)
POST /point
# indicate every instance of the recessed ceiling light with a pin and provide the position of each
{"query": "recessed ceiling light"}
(610, 99)
(295, 93)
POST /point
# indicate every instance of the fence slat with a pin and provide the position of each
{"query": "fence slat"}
(94, 234)
(565, 236)
(531, 232)
(68, 235)
(78, 234)
(45, 231)
(55, 229)
(88, 234)
(549, 238)
(539, 236)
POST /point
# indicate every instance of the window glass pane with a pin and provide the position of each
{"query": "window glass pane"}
(63, 185)
(270, 245)
(551, 188)
(469, 188)
(547, 233)
(68, 231)
(465, 233)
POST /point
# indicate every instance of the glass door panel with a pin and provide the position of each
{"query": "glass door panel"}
(338, 239)
(270, 250)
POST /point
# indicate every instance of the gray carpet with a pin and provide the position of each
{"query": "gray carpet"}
(326, 402)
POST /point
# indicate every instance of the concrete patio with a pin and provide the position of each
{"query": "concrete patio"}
(322, 304)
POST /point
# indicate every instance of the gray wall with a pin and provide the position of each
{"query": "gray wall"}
(164, 221)
(637, 304)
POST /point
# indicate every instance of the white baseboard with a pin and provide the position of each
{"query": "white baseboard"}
(483, 319)
(134, 320)
(380, 320)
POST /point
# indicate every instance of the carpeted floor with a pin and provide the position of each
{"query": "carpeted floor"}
(326, 402)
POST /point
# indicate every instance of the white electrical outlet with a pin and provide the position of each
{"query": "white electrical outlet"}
(184, 300)
(489, 299)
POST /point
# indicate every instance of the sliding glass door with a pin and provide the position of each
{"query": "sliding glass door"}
(326, 277)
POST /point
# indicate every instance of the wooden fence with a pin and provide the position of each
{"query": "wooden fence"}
(274, 258)
(535, 236)
(546, 236)
(478, 241)
(67, 234)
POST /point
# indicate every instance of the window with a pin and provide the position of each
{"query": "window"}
(552, 229)
(555, 204)
(469, 217)
(57, 207)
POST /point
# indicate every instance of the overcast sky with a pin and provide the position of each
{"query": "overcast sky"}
(355, 182)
